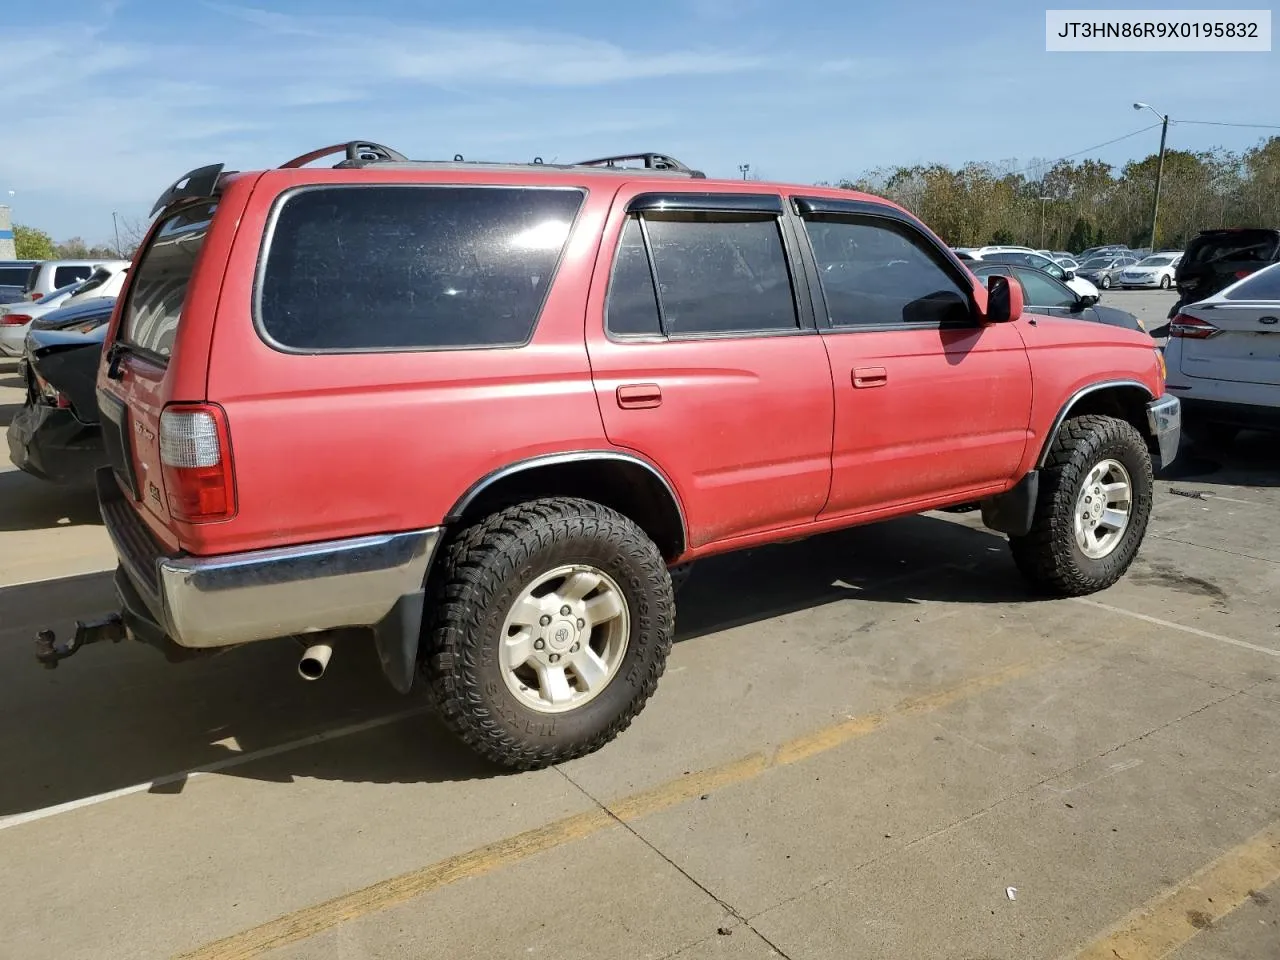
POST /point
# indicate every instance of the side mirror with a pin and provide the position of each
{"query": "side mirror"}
(1069, 273)
(1004, 300)
(1088, 300)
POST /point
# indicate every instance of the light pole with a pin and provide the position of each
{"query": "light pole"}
(1043, 201)
(116, 227)
(744, 169)
(1164, 130)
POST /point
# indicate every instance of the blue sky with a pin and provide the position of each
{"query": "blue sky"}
(108, 101)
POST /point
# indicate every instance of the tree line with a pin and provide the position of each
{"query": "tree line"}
(34, 244)
(1087, 203)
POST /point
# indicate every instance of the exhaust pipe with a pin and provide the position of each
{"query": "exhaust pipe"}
(314, 661)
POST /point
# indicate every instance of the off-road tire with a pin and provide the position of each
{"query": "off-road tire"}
(1048, 556)
(484, 568)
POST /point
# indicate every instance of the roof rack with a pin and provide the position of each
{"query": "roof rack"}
(652, 161)
(358, 153)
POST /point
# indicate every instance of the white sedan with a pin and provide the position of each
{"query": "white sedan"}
(1154, 271)
(15, 318)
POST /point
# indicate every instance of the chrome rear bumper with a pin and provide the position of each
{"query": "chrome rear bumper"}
(238, 598)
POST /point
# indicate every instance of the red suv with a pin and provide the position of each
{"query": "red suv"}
(483, 411)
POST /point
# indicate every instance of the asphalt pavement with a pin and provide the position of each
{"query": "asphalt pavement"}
(875, 743)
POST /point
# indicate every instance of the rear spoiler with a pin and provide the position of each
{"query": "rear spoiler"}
(198, 183)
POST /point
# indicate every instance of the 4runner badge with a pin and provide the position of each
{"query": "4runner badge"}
(144, 431)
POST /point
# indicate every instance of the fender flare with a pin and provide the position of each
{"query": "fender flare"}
(1073, 400)
(577, 456)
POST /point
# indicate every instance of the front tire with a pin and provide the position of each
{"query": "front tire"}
(1164, 282)
(517, 678)
(1092, 510)
(1105, 283)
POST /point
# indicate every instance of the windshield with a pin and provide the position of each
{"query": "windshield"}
(1244, 246)
(1097, 263)
(1156, 262)
(1261, 286)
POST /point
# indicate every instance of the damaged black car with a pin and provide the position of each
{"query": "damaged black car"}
(56, 435)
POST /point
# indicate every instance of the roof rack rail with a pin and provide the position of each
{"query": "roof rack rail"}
(652, 161)
(358, 153)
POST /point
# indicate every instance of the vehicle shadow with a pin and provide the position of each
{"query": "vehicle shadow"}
(28, 503)
(7, 412)
(119, 715)
(1252, 460)
(14, 381)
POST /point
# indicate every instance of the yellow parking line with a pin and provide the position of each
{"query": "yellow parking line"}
(1165, 923)
(312, 920)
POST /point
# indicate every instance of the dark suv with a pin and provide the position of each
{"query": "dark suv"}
(1215, 259)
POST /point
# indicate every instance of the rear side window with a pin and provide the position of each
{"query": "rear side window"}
(715, 274)
(154, 309)
(14, 276)
(99, 277)
(411, 267)
(1246, 246)
(1263, 285)
(64, 275)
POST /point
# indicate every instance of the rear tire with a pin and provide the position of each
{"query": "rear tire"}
(526, 685)
(1078, 544)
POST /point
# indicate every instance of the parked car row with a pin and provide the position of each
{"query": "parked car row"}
(104, 280)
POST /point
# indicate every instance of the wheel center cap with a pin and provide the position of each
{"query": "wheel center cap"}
(561, 635)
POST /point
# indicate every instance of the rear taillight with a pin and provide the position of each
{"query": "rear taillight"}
(1192, 328)
(34, 295)
(1241, 274)
(195, 460)
(15, 319)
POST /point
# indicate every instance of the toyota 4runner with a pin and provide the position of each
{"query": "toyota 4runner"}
(485, 411)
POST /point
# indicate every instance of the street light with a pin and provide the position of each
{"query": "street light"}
(1043, 201)
(744, 169)
(1164, 130)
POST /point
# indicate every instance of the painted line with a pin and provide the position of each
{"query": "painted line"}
(1166, 922)
(309, 921)
(18, 819)
(1194, 631)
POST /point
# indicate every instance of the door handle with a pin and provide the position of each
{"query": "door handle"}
(870, 376)
(637, 396)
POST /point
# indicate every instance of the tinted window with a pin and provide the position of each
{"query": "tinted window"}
(1045, 264)
(1244, 246)
(99, 277)
(877, 272)
(404, 267)
(1097, 263)
(721, 275)
(13, 276)
(633, 302)
(1263, 285)
(159, 289)
(1041, 291)
(64, 275)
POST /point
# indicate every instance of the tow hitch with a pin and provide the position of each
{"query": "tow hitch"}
(49, 651)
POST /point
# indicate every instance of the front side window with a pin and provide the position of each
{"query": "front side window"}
(876, 272)
(1041, 291)
(411, 267)
(715, 274)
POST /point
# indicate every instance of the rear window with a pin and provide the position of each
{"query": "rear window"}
(14, 276)
(64, 275)
(159, 288)
(411, 267)
(1263, 285)
(1246, 246)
